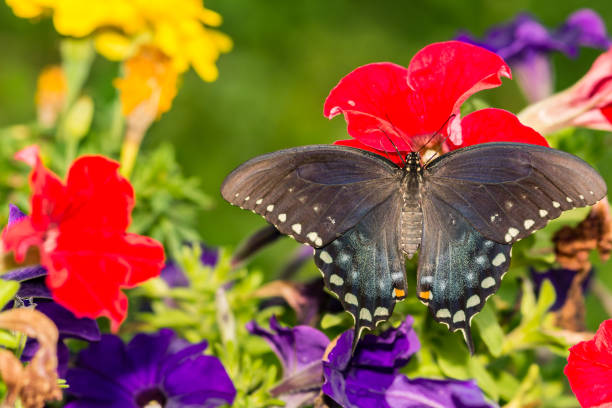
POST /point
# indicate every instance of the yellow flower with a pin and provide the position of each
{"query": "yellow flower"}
(50, 94)
(179, 28)
(149, 84)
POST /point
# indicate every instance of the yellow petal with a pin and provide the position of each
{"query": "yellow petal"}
(114, 46)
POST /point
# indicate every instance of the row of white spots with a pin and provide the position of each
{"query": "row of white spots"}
(314, 237)
(512, 232)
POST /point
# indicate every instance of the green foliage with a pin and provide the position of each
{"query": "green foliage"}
(216, 307)
(168, 202)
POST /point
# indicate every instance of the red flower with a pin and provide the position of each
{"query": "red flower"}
(587, 103)
(589, 368)
(79, 229)
(385, 102)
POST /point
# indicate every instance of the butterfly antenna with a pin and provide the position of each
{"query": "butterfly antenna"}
(437, 132)
(393, 144)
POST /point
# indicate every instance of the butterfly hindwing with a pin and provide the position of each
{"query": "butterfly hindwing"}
(458, 267)
(507, 191)
(365, 268)
(313, 193)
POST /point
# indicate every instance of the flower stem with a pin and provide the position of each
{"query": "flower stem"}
(129, 150)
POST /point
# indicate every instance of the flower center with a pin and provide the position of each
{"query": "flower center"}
(151, 398)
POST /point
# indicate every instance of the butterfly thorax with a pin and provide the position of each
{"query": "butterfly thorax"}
(411, 219)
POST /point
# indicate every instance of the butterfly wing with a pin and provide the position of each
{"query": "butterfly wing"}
(312, 193)
(365, 267)
(458, 267)
(506, 191)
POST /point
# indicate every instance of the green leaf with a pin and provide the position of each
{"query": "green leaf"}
(8, 290)
(485, 381)
(490, 330)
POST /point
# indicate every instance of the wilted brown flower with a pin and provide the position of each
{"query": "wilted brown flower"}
(37, 382)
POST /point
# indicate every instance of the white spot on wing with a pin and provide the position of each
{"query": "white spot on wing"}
(581, 197)
(336, 280)
(513, 232)
(259, 201)
(481, 260)
(474, 300)
(443, 314)
(297, 228)
(459, 316)
(499, 259)
(364, 314)
(569, 200)
(487, 282)
(543, 213)
(509, 204)
(381, 311)
(351, 299)
(556, 204)
(270, 208)
(326, 257)
(247, 198)
(312, 236)
(528, 223)
(508, 238)
(282, 217)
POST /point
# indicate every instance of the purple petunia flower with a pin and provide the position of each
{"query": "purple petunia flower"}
(300, 351)
(157, 369)
(561, 280)
(369, 378)
(34, 291)
(525, 44)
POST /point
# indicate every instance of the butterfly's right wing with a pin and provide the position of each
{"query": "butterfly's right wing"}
(312, 193)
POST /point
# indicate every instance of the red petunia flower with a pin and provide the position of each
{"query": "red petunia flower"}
(589, 368)
(80, 230)
(384, 102)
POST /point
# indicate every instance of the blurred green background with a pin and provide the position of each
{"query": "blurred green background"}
(287, 57)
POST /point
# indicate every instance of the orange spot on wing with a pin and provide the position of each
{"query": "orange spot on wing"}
(425, 295)
(399, 293)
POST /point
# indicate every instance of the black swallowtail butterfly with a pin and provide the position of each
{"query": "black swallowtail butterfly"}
(362, 214)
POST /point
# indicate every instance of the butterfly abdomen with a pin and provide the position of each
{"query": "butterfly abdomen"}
(411, 218)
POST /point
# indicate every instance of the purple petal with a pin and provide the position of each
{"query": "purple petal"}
(26, 273)
(200, 381)
(561, 280)
(34, 288)
(15, 214)
(96, 389)
(392, 349)
(295, 347)
(583, 28)
(210, 256)
(534, 76)
(67, 323)
(406, 393)
(145, 353)
(174, 275)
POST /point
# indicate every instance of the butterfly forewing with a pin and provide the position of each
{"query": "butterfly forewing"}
(458, 268)
(365, 267)
(313, 193)
(507, 191)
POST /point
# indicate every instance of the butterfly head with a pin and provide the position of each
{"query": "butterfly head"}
(413, 163)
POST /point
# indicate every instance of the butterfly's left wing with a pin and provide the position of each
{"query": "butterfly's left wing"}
(458, 267)
(365, 267)
(507, 191)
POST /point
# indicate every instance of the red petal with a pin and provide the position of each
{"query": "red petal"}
(100, 198)
(494, 125)
(375, 100)
(48, 199)
(88, 269)
(387, 155)
(20, 236)
(589, 368)
(607, 112)
(446, 74)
